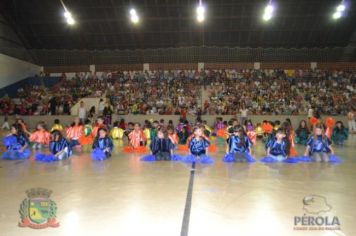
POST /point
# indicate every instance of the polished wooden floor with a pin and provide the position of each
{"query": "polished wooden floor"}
(124, 196)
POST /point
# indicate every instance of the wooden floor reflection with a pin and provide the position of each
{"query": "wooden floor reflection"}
(123, 196)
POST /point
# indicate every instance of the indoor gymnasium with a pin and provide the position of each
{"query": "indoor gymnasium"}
(177, 117)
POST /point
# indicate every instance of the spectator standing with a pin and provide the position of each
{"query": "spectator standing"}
(82, 112)
(351, 121)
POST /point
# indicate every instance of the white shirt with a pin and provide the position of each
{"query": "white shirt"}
(101, 106)
(244, 112)
(82, 112)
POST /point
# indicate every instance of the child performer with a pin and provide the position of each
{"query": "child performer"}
(207, 130)
(329, 123)
(239, 146)
(57, 126)
(183, 137)
(147, 130)
(319, 146)
(129, 129)
(59, 147)
(86, 138)
(116, 132)
(98, 124)
(259, 130)
(340, 133)
(161, 148)
(137, 140)
(40, 137)
(23, 126)
(16, 144)
(287, 126)
(74, 133)
(153, 131)
(220, 128)
(267, 130)
(102, 146)
(172, 136)
(198, 148)
(302, 133)
(278, 148)
(250, 131)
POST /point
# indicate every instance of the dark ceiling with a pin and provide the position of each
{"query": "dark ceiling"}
(104, 24)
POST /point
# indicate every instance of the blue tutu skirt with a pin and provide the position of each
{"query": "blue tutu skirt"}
(16, 155)
(151, 157)
(289, 160)
(98, 155)
(203, 159)
(292, 160)
(334, 159)
(305, 159)
(268, 159)
(231, 158)
(9, 140)
(46, 157)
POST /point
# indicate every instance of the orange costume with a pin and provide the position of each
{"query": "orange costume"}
(174, 138)
(292, 151)
(94, 132)
(313, 121)
(252, 136)
(267, 128)
(329, 123)
(86, 138)
(136, 137)
(40, 136)
(75, 132)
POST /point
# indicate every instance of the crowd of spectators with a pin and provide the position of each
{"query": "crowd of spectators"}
(279, 92)
(227, 92)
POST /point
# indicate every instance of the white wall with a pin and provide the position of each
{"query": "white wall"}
(13, 70)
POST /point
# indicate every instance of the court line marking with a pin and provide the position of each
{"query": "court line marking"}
(188, 203)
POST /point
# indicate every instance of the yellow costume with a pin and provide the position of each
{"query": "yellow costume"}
(259, 131)
(117, 133)
(146, 132)
(57, 127)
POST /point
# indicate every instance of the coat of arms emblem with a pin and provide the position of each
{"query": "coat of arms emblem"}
(38, 211)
